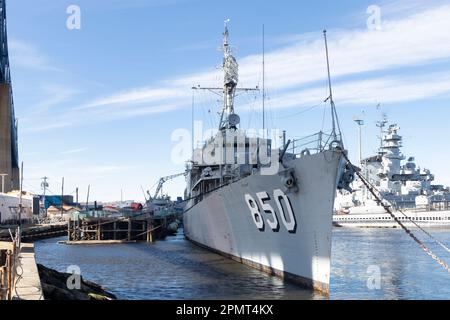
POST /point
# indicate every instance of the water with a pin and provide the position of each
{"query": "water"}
(177, 269)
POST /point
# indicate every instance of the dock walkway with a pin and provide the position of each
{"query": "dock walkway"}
(28, 284)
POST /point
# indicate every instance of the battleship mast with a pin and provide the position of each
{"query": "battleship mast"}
(381, 124)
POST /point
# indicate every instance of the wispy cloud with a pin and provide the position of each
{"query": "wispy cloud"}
(39, 126)
(381, 89)
(135, 96)
(73, 151)
(296, 72)
(56, 95)
(420, 38)
(393, 8)
(120, 4)
(25, 55)
(104, 169)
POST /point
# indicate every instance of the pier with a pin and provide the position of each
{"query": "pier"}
(32, 233)
(106, 230)
(19, 273)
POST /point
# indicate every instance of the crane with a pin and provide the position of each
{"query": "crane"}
(164, 180)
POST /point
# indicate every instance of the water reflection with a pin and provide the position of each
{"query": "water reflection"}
(406, 271)
(177, 269)
(171, 269)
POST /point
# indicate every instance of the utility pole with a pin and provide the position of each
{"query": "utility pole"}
(62, 197)
(3, 175)
(19, 232)
(76, 192)
(44, 185)
(360, 123)
(87, 197)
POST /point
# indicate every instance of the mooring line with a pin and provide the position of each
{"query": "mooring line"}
(388, 210)
(424, 231)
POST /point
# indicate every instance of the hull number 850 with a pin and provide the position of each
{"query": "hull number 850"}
(285, 211)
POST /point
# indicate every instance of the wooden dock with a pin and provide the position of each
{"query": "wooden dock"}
(28, 284)
(32, 233)
(101, 230)
(95, 242)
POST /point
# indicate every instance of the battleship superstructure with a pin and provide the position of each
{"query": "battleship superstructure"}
(407, 188)
(270, 208)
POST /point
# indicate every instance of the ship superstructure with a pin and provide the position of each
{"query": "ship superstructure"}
(401, 184)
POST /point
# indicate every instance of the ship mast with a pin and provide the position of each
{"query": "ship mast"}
(228, 119)
(381, 124)
(335, 121)
(230, 70)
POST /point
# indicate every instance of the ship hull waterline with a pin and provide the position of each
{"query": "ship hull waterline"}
(298, 249)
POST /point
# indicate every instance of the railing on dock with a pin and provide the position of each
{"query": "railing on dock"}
(9, 253)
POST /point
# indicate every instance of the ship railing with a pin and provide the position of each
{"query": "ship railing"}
(312, 144)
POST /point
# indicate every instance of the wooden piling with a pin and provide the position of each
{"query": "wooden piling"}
(3, 279)
(123, 229)
(78, 228)
(98, 231)
(129, 229)
(10, 271)
(69, 233)
(149, 231)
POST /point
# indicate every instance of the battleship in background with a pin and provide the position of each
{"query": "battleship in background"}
(406, 188)
(265, 207)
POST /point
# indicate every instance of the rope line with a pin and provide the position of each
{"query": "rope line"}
(424, 231)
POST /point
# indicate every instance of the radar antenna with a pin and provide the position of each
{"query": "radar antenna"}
(228, 119)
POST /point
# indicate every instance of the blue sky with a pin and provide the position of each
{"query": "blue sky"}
(98, 105)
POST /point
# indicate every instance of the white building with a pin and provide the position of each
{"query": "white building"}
(9, 207)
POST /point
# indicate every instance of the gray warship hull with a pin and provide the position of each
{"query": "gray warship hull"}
(287, 234)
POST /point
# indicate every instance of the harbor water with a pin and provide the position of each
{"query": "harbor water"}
(366, 264)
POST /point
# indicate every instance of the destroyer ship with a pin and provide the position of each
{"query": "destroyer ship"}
(269, 208)
(406, 188)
